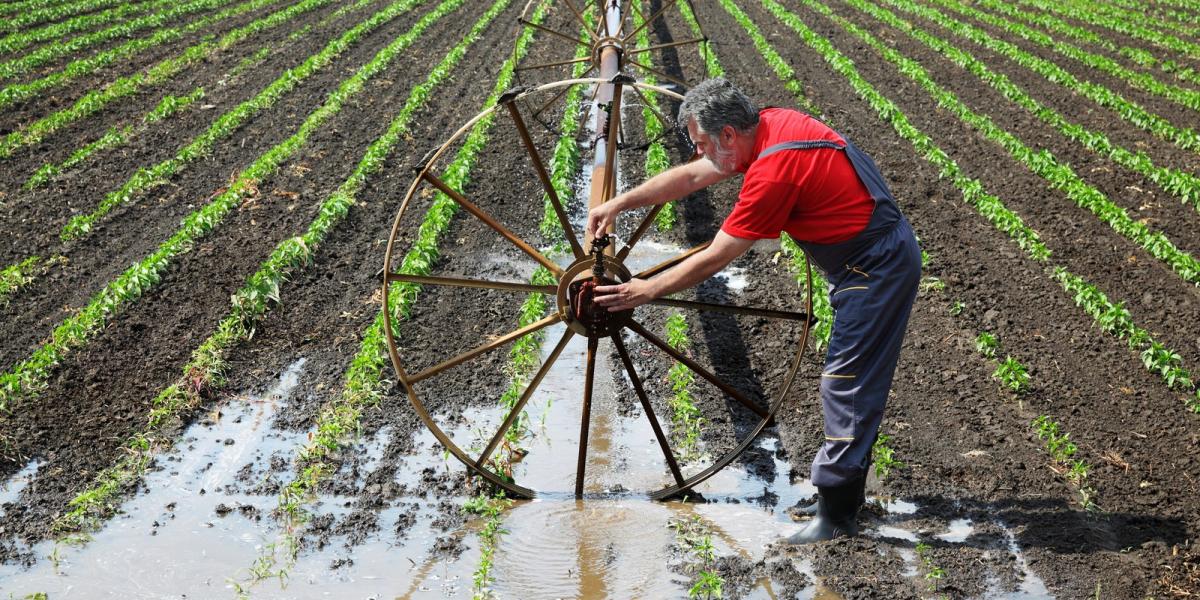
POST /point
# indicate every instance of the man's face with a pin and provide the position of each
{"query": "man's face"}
(709, 146)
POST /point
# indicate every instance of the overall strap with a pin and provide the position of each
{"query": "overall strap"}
(801, 145)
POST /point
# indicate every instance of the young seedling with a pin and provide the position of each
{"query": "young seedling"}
(987, 344)
(933, 573)
(957, 308)
(884, 457)
(1012, 375)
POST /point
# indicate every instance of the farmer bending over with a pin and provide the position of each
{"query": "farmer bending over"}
(801, 177)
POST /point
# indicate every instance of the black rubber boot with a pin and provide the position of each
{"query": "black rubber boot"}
(810, 510)
(837, 515)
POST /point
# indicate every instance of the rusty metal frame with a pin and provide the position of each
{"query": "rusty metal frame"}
(608, 51)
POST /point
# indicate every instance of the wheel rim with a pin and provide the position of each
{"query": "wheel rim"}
(582, 265)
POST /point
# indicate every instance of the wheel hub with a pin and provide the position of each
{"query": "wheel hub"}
(576, 296)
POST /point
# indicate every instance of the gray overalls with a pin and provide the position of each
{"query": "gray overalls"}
(873, 282)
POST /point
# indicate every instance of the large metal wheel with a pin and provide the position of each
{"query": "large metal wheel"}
(588, 261)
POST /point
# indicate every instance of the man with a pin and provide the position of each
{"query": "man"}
(801, 177)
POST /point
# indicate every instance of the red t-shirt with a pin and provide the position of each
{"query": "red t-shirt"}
(814, 194)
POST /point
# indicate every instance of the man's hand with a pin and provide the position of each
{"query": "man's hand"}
(601, 217)
(625, 296)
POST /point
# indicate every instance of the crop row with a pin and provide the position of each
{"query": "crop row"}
(37, 16)
(95, 100)
(22, 39)
(224, 126)
(1054, 24)
(711, 66)
(972, 190)
(1042, 163)
(30, 374)
(1124, 22)
(1131, 112)
(27, 5)
(19, 66)
(1062, 450)
(695, 538)
(657, 160)
(19, 92)
(14, 277)
(1183, 185)
(204, 372)
(1183, 96)
(166, 108)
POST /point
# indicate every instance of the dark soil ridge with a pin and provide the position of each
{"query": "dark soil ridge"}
(137, 228)
(102, 371)
(1079, 240)
(1166, 214)
(964, 231)
(1153, 103)
(1083, 111)
(221, 92)
(65, 96)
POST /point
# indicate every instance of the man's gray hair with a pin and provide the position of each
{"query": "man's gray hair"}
(715, 103)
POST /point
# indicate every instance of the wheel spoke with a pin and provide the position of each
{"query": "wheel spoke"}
(540, 167)
(663, 46)
(667, 125)
(699, 370)
(640, 231)
(586, 418)
(560, 34)
(525, 396)
(554, 64)
(492, 345)
(579, 17)
(487, 219)
(736, 310)
(646, 22)
(667, 264)
(641, 394)
(656, 72)
(560, 93)
(508, 286)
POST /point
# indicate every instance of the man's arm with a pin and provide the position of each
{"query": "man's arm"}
(672, 184)
(693, 270)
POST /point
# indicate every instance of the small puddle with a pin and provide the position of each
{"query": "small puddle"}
(959, 531)
(11, 490)
(1032, 587)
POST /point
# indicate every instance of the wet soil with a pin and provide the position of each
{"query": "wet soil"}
(977, 486)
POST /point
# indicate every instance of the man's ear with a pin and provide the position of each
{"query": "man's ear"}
(728, 134)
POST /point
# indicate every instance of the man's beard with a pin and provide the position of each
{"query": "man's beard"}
(722, 158)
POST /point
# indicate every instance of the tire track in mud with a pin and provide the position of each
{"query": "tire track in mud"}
(980, 431)
(172, 337)
(137, 228)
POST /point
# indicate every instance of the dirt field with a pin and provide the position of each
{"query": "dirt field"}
(981, 506)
